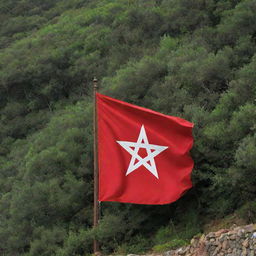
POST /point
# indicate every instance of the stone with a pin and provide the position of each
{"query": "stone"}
(240, 241)
(202, 238)
(249, 228)
(244, 252)
(239, 252)
(232, 237)
(168, 253)
(191, 250)
(234, 251)
(182, 251)
(241, 232)
(193, 241)
(216, 251)
(223, 237)
(201, 250)
(211, 235)
(252, 253)
(233, 244)
(246, 243)
(234, 226)
(225, 245)
(207, 247)
(232, 232)
(218, 233)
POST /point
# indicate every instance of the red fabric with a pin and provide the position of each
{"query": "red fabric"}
(121, 121)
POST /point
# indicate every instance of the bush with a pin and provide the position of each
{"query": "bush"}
(164, 235)
(248, 212)
(137, 245)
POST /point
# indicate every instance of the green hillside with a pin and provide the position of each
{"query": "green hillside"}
(195, 59)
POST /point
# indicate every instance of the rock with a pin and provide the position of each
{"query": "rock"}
(239, 252)
(233, 226)
(232, 232)
(249, 228)
(202, 238)
(246, 243)
(241, 232)
(211, 235)
(221, 231)
(235, 251)
(229, 250)
(194, 241)
(182, 251)
(244, 252)
(222, 237)
(239, 241)
(252, 253)
(216, 251)
(191, 250)
(232, 237)
(225, 245)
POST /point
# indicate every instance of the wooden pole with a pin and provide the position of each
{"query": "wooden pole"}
(96, 169)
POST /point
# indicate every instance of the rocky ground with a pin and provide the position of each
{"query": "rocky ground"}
(236, 241)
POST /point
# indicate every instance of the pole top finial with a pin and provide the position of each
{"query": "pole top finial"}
(95, 82)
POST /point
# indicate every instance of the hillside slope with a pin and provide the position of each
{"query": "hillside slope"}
(193, 59)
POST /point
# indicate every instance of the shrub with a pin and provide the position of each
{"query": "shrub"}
(248, 212)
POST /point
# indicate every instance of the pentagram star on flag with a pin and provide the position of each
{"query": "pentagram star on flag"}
(143, 155)
(152, 151)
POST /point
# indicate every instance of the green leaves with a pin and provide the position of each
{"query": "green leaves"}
(49, 182)
(237, 22)
(192, 59)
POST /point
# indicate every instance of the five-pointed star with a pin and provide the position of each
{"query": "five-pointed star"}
(152, 151)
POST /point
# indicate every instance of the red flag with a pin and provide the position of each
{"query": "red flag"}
(143, 155)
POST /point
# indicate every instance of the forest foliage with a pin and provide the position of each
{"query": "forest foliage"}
(195, 59)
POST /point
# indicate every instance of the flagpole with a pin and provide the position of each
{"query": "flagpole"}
(96, 169)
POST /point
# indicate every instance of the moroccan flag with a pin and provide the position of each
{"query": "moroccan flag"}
(143, 155)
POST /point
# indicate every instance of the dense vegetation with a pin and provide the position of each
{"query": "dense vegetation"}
(190, 58)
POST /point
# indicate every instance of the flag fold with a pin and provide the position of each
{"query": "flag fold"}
(143, 155)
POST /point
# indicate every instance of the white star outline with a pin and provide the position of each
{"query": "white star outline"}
(152, 152)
